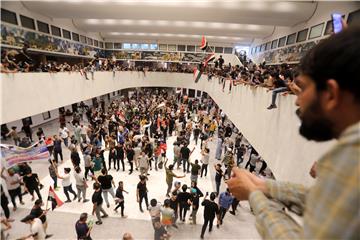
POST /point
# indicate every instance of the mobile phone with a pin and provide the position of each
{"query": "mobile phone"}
(337, 22)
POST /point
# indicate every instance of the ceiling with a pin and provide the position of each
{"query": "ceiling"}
(222, 21)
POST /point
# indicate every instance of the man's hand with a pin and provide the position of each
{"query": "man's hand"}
(242, 183)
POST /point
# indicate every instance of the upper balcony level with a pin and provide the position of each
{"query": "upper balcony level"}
(273, 133)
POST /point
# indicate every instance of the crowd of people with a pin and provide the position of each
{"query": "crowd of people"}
(133, 132)
(279, 79)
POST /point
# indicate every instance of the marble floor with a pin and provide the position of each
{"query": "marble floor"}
(62, 220)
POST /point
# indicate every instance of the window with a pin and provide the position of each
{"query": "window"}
(219, 49)
(117, 45)
(8, 16)
(96, 43)
(228, 50)
(75, 37)
(268, 46)
(125, 46)
(55, 31)
(144, 46)
(274, 43)
(354, 17)
(101, 44)
(262, 47)
(291, 39)
(153, 46)
(43, 27)
(190, 48)
(82, 39)
(302, 35)
(27, 22)
(66, 34)
(89, 41)
(316, 31)
(163, 47)
(282, 42)
(46, 115)
(328, 28)
(258, 48)
(109, 45)
(135, 46)
(181, 48)
(27, 120)
(171, 47)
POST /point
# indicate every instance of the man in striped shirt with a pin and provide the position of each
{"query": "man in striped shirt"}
(329, 107)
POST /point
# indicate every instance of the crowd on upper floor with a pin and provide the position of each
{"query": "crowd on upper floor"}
(279, 78)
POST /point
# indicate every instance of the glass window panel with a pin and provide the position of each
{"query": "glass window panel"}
(117, 45)
(228, 50)
(135, 46)
(144, 46)
(302, 35)
(316, 31)
(190, 48)
(109, 45)
(181, 48)
(82, 39)
(75, 37)
(274, 43)
(27, 22)
(8, 16)
(291, 39)
(268, 46)
(55, 31)
(219, 49)
(126, 46)
(163, 47)
(43, 27)
(153, 46)
(282, 42)
(66, 34)
(263, 47)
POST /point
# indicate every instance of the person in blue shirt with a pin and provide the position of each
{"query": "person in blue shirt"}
(225, 201)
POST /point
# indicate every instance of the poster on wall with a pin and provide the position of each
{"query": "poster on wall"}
(15, 36)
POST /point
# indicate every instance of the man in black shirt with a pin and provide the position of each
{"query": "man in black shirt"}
(37, 212)
(75, 158)
(185, 154)
(228, 131)
(211, 209)
(82, 228)
(174, 205)
(141, 192)
(105, 181)
(120, 156)
(197, 132)
(97, 201)
(183, 198)
(130, 156)
(32, 182)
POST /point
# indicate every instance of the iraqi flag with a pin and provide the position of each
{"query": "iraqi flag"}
(197, 74)
(204, 43)
(54, 199)
(209, 58)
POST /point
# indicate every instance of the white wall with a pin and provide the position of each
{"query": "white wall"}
(273, 133)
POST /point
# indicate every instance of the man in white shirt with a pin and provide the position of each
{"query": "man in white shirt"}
(36, 228)
(64, 134)
(13, 181)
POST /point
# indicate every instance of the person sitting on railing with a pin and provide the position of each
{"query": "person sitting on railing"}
(281, 85)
